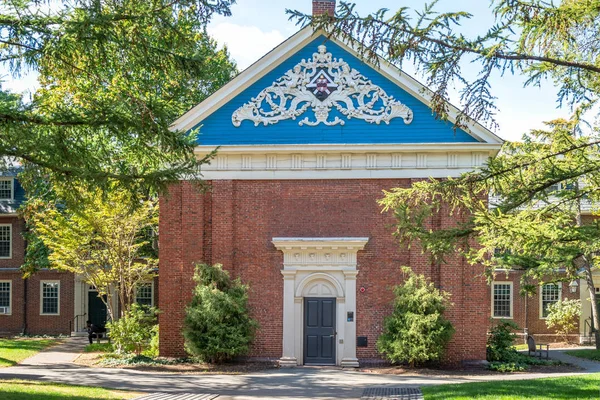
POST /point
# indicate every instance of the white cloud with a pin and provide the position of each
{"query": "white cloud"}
(246, 44)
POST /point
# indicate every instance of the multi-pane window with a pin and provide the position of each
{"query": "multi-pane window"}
(50, 297)
(502, 300)
(5, 241)
(550, 295)
(6, 189)
(144, 294)
(5, 297)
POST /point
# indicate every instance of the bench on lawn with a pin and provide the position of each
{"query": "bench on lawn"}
(537, 349)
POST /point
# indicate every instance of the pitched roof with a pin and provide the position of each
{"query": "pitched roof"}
(281, 53)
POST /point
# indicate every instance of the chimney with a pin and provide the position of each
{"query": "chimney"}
(321, 7)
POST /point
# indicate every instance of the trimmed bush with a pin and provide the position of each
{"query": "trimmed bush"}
(500, 342)
(416, 332)
(134, 332)
(217, 325)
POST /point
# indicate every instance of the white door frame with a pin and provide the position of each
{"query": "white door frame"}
(319, 267)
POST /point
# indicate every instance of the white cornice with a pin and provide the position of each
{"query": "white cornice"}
(244, 80)
(320, 243)
(352, 148)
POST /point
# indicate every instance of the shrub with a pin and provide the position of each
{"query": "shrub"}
(217, 325)
(506, 367)
(133, 332)
(416, 332)
(500, 342)
(563, 317)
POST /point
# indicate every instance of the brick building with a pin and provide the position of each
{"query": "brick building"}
(49, 302)
(309, 137)
(292, 210)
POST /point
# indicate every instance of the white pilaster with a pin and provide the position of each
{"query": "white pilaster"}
(288, 358)
(349, 357)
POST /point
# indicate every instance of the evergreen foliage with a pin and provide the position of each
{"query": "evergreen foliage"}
(416, 332)
(136, 331)
(540, 184)
(113, 76)
(217, 325)
(500, 344)
(563, 316)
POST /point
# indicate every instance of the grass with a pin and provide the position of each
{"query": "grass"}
(99, 348)
(589, 354)
(25, 390)
(571, 388)
(13, 351)
(522, 346)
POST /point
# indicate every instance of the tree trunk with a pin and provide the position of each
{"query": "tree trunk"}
(592, 292)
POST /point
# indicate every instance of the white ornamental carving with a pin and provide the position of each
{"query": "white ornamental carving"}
(322, 83)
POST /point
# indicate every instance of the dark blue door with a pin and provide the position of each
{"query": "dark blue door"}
(96, 309)
(319, 331)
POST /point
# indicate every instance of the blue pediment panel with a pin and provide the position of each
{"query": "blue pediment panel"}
(324, 95)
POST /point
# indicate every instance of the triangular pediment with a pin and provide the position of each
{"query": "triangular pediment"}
(314, 90)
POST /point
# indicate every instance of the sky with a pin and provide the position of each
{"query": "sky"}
(257, 26)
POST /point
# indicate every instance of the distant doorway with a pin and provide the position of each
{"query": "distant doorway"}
(96, 308)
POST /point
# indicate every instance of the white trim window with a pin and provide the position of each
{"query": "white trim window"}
(5, 241)
(7, 189)
(550, 293)
(144, 294)
(5, 297)
(49, 298)
(502, 300)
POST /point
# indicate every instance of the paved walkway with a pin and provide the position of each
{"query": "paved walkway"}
(297, 383)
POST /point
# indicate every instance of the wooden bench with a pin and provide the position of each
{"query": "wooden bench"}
(537, 349)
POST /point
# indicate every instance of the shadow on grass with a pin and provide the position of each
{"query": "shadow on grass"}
(577, 387)
(22, 390)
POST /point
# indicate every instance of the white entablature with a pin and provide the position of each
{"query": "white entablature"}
(345, 161)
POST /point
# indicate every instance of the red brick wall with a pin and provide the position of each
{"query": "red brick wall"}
(36, 324)
(323, 7)
(532, 318)
(235, 222)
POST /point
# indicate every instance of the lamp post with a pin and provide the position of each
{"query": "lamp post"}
(573, 286)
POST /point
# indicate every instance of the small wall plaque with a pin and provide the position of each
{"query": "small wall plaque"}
(361, 341)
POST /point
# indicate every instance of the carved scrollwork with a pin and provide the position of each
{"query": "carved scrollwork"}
(322, 83)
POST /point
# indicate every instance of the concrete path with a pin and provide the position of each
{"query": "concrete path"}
(295, 383)
(588, 365)
(61, 354)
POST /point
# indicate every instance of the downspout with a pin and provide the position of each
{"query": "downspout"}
(526, 317)
(24, 330)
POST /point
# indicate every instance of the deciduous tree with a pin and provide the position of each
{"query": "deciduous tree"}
(106, 241)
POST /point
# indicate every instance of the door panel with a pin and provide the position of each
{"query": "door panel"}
(96, 309)
(319, 331)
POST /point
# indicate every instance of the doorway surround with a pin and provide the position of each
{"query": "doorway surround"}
(319, 267)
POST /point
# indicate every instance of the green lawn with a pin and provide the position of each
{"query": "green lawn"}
(13, 351)
(99, 347)
(522, 346)
(26, 390)
(589, 354)
(571, 388)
